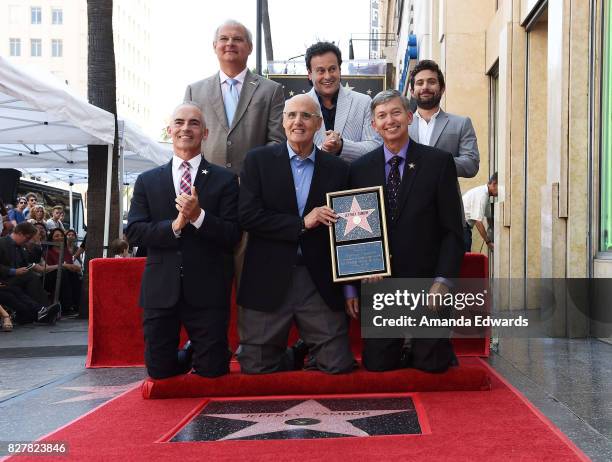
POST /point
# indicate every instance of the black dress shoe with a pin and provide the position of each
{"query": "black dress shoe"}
(48, 314)
(185, 357)
(299, 352)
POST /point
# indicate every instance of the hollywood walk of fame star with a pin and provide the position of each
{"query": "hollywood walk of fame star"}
(97, 392)
(309, 415)
(369, 92)
(348, 87)
(291, 93)
(356, 217)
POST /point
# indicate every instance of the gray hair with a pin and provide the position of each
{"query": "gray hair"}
(233, 22)
(317, 108)
(192, 104)
(387, 95)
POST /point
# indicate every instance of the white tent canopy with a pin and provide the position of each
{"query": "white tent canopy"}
(44, 125)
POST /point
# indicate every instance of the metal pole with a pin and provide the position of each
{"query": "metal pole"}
(122, 188)
(107, 207)
(70, 205)
(258, 38)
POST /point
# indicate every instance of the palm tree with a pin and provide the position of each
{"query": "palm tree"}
(101, 89)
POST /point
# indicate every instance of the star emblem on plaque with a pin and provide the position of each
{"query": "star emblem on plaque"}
(358, 240)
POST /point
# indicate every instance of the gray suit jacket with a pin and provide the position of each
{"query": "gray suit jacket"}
(353, 122)
(455, 134)
(258, 118)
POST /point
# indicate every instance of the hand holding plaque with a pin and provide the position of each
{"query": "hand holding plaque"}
(359, 236)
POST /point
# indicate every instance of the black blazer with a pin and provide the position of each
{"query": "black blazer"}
(268, 211)
(8, 253)
(427, 238)
(199, 254)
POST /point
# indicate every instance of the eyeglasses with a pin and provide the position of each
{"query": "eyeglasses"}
(22, 202)
(304, 115)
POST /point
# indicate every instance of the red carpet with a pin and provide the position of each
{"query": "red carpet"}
(115, 320)
(463, 378)
(495, 425)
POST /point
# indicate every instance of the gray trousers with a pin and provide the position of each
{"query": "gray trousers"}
(264, 335)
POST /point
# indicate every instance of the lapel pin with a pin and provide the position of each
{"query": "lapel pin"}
(411, 166)
(205, 172)
(252, 82)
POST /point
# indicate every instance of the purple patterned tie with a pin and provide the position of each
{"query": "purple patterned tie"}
(394, 182)
(185, 185)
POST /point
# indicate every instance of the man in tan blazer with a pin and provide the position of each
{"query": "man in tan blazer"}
(242, 110)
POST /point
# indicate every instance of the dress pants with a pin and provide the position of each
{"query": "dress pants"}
(264, 334)
(25, 308)
(206, 328)
(426, 354)
(31, 284)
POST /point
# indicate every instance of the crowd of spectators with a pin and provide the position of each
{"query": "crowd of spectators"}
(34, 248)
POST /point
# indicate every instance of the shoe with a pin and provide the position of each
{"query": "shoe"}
(185, 358)
(299, 351)
(49, 313)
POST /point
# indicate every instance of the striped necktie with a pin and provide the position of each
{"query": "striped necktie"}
(185, 185)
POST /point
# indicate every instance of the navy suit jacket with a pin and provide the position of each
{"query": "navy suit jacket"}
(426, 240)
(198, 254)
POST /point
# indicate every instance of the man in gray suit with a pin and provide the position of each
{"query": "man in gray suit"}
(242, 110)
(434, 127)
(347, 130)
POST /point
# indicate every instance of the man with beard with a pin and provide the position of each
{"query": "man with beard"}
(436, 128)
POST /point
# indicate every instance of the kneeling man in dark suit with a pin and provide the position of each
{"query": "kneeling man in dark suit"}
(424, 224)
(287, 275)
(185, 213)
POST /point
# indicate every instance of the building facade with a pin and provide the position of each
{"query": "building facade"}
(52, 35)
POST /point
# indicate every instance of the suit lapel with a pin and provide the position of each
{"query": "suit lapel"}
(441, 122)
(285, 179)
(343, 107)
(319, 177)
(202, 175)
(216, 100)
(413, 129)
(411, 169)
(167, 185)
(320, 134)
(249, 86)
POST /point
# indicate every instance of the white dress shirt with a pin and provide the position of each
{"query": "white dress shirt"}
(177, 173)
(475, 202)
(225, 85)
(426, 128)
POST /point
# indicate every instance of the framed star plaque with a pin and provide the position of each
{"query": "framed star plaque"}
(358, 240)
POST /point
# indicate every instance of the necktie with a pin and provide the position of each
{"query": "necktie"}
(394, 182)
(231, 100)
(185, 184)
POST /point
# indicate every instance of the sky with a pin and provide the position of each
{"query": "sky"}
(182, 35)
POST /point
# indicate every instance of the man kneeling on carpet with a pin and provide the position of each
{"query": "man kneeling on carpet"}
(287, 270)
(424, 225)
(185, 214)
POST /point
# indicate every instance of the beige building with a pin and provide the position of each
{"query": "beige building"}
(52, 35)
(535, 78)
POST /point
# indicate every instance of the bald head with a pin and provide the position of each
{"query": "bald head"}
(305, 102)
(189, 105)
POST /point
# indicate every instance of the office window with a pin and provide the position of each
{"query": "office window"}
(15, 13)
(605, 236)
(36, 15)
(57, 16)
(15, 47)
(35, 47)
(57, 48)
